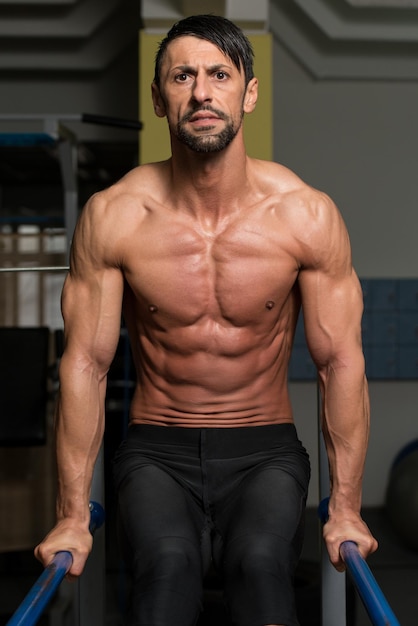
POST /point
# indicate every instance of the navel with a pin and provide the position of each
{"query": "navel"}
(153, 308)
(269, 305)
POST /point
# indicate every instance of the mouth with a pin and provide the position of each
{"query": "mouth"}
(203, 121)
(204, 117)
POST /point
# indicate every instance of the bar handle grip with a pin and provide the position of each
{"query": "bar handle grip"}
(97, 516)
(39, 596)
(374, 601)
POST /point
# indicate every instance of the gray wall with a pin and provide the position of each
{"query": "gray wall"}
(112, 91)
(357, 140)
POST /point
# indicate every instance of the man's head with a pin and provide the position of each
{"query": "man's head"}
(219, 31)
(204, 82)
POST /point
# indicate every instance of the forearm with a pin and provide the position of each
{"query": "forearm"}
(91, 308)
(79, 432)
(345, 425)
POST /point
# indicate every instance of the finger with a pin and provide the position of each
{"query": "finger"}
(43, 555)
(77, 567)
(368, 548)
(337, 560)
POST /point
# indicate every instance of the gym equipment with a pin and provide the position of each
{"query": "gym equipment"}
(333, 583)
(45, 587)
(53, 131)
(57, 268)
(374, 601)
(402, 495)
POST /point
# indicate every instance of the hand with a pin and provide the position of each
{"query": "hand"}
(347, 527)
(70, 535)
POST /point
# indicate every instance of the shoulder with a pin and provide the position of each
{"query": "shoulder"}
(293, 196)
(128, 199)
(135, 189)
(310, 216)
(281, 182)
(113, 214)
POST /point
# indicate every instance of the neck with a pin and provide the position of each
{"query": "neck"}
(210, 185)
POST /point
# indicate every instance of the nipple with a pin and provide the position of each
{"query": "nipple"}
(269, 305)
(153, 308)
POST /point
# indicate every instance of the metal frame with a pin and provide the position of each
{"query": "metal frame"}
(333, 583)
(39, 268)
(53, 128)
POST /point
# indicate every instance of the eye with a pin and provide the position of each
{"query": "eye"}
(181, 78)
(220, 75)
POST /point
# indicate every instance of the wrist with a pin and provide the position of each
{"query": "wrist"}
(76, 511)
(344, 504)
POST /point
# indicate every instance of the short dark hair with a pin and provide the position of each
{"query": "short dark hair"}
(220, 31)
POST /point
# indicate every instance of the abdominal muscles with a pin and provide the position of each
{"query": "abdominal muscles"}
(212, 376)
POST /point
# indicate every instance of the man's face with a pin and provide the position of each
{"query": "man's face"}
(202, 94)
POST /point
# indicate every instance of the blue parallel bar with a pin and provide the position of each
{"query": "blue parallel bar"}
(39, 596)
(42, 591)
(374, 601)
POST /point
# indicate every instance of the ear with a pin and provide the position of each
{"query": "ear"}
(251, 95)
(157, 100)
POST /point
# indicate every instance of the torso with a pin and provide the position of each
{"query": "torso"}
(211, 314)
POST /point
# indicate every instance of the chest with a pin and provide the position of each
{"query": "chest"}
(237, 275)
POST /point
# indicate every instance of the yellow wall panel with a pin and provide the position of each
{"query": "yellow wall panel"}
(259, 125)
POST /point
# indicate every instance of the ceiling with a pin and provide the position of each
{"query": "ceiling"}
(65, 35)
(350, 39)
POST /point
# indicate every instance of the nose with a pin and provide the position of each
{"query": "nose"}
(201, 89)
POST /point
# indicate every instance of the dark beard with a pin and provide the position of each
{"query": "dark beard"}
(206, 144)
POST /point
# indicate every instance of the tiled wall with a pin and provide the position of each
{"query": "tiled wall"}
(390, 333)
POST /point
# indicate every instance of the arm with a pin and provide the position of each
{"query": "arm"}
(91, 306)
(332, 304)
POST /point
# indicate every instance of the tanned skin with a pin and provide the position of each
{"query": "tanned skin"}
(209, 256)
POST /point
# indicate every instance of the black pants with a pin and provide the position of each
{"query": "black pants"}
(234, 496)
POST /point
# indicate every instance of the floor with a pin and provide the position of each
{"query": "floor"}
(394, 567)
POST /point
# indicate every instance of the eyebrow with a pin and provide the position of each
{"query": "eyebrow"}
(189, 69)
